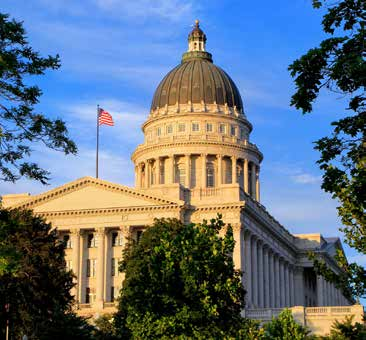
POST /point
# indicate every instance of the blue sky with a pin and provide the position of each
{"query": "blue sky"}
(115, 52)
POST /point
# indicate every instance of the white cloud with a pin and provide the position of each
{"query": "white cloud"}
(305, 178)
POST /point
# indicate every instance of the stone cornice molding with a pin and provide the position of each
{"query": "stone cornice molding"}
(109, 211)
(209, 111)
(144, 148)
(63, 190)
(236, 206)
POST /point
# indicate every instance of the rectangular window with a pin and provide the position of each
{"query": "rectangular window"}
(181, 127)
(195, 127)
(233, 130)
(158, 131)
(114, 266)
(209, 127)
(92, 240)
(138, 235)
(242, 133)
(112, 294)
(117, 239)
(89, 295)
(67, 241)
(91, 267)
(222, 128)
(169, 129)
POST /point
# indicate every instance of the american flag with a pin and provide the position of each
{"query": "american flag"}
(104, 118)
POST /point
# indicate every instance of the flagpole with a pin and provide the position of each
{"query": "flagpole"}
(97, 155)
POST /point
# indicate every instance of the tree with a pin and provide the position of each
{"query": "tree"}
(284, 328)
(338, 64)
(180, 282)
(347, 329)
(35, 295)
(21, 126)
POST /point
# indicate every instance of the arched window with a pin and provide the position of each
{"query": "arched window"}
(181, 174)
(210, 175)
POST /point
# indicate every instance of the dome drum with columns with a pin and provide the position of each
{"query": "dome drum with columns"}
(196, 161)
(197, 106)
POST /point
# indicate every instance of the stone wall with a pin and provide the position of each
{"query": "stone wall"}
(318, 319)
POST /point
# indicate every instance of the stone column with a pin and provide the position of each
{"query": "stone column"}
(107, 266)
(292, 290)
(239, 245)
(204, 170)
(233, 170)
(254, 272)
(287, 285)
(266, 278)
(100, 267)
(277, 281)
(245, 176)
(260, 275)
(253, 179)
(248, 269)
(75, 234)
(157, 172)
(219, 169)
(283, 283)
(299, 286)
(272, 280)
(188, 171)
(172, 169)
(257, 184)
(82, 266)
(148, 174)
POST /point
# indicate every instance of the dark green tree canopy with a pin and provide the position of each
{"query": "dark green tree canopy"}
(338, 64)
(20, 125)
(36, 287)
(180, 281)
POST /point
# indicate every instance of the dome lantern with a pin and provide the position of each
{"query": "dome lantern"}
(197, 39)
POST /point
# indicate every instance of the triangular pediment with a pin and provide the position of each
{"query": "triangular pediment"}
(92, 193)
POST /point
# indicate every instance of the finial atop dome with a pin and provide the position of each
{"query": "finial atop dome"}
(197, 23)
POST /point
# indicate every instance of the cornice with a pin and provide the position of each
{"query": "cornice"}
(109, 211)
(221, 113)
(143, 148)
(65, 189)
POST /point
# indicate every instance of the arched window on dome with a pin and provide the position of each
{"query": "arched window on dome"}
(210, 182)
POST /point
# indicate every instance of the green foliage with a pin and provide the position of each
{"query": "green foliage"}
(104, 328)
(348, 330)
(180, 282)
(284, 328)
(68, 326)
(338, 64)
(250, 330)
(20, 125)
(37, 288)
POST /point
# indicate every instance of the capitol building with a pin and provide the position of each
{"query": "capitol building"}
(197, 160)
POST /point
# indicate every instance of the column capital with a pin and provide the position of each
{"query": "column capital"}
(75, 232)
(100, 230)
